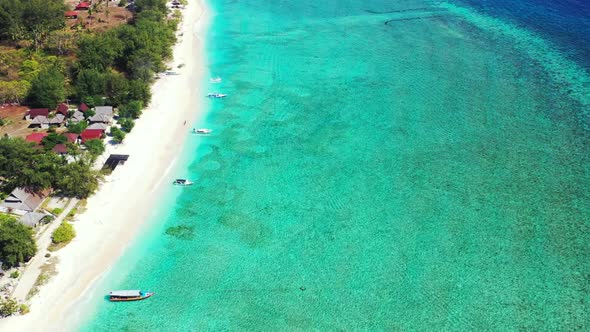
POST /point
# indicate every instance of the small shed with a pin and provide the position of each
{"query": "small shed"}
(60, 149)
(71, 14)
(32, 219)
(83, 6)
(115, 160)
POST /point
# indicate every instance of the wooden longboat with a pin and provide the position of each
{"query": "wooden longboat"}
(128, 295)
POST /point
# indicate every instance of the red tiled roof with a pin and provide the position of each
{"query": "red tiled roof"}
(83, 107)
(71, 13)
(72, 137)
(36, 137)
(91, 134)
(60, 148)
(34, 112)
(62, 109)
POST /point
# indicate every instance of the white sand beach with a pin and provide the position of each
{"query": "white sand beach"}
(116, 212)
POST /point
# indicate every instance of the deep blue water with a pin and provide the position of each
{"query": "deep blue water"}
(566, 23)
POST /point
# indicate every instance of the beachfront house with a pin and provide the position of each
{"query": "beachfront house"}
(20, 201)
(89, 134)
(99, 126)
(102, 114)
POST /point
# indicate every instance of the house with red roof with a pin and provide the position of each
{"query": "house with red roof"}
(35, 112)
(83, 6)
(88, 134)
(62, 109)
(71, 14)
(72, 137)
(60, 149)
(83, 107)
(35, 137)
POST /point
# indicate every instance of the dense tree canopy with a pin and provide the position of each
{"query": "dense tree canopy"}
(30, 19)
(47, 89)
(17, 243)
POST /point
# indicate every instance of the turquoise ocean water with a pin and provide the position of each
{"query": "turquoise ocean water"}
(378, 165)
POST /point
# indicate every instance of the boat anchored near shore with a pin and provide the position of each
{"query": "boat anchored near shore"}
(129, 295)
(182, 182)
(202, 131)
(216, 95)
(215, 79)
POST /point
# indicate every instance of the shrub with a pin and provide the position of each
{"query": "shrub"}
(94, 146)
(15, 274)
(57, 211)
(122, 3)
(126, 124)
(8, 307)
(118, 134)
(64, 233)
(23, 309)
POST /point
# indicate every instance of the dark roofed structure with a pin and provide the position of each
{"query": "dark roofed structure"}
(60, 149)
(115, 159)
(35, 112)
(62, 109)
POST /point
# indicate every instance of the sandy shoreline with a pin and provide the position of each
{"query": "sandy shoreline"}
(116, 212)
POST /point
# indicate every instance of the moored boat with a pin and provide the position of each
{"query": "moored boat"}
(215, 79)
(182, 182)
(202, 131)
(128, 295)
(216, 95)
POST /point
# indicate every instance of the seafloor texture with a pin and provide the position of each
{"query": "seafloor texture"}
(378, 165)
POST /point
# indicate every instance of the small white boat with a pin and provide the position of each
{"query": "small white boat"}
(182, 182)
(215, 79)
(216, 95)
(202, 131)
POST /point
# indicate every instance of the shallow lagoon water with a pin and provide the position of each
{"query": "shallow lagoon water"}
(378, 165)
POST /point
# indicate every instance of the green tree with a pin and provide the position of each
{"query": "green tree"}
(95, 147)
(48, 88)
(77, 179)
(17, 244)
(64, 233)
(118, 134)
(90, 83)
(99, 51)
(76, 127)
(126, 124)
(21, 165)
(131, 110)
(53, 139)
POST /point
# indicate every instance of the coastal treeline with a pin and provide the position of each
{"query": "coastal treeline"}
(24, 165)
(112, 68)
